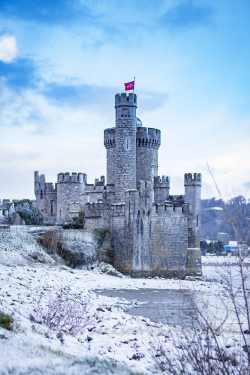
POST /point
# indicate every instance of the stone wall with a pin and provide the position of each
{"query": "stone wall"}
(149, 239)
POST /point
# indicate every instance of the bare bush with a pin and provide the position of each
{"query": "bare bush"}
(52, 240)
(64, 311)
(204, 348)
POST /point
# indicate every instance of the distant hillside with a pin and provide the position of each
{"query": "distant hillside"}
(214, 218)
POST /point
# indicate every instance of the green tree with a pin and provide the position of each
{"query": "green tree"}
(30, 214)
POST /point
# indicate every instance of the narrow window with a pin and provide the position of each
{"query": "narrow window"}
(51, 206)
(127, 144)
(197, 221)
(60, 214)
(41, 195)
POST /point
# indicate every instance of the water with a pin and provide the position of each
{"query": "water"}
(173, 306)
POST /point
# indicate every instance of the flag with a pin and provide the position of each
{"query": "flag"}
(129, 85)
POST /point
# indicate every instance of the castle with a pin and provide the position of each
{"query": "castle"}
(152, 232)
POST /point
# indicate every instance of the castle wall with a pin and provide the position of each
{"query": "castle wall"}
(150, 240)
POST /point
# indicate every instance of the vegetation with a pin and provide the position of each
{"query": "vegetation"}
(99, 236)
(65, 312)
(6, 321)
(218, 215)
(31, 215)
(212, 247)
(78, 223)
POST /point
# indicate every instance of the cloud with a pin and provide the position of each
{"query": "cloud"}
(186, 16)
(8, 48)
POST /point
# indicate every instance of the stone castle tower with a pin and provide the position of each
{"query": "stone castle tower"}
(151, 232)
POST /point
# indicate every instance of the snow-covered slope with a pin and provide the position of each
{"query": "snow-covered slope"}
(28, 276)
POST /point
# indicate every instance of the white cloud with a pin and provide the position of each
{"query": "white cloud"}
(8, 48)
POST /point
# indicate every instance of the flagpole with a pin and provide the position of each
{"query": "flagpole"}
(134, 86)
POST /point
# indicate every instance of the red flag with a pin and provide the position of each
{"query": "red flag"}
(129, 86)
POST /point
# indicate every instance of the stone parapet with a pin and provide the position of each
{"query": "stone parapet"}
(148, 137)
(74, 177)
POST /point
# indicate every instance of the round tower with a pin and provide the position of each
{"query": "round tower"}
(69, 188)
(148, 142)
(125, 144)
(192, 185)
(109, 143)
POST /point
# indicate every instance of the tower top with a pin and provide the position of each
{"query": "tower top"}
(192, 179)
(123, 99)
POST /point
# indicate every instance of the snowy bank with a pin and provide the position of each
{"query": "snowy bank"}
(111, 334)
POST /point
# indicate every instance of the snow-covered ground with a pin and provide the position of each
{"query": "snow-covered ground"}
(28, 274)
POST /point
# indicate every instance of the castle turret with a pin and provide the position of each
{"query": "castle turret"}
(39, 186)
(125, 144)
(109, 143)
(148, 142)
(69, 189)
(192, 185)
(161, 188)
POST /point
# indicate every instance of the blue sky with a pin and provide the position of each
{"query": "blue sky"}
(62, 62)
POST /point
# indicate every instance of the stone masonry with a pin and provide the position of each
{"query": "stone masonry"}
(152, 232)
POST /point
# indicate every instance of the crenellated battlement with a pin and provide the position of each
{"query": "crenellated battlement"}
(72, 178)
(167, 209)
(49, 187)
(162, 182)
(94, 209)
(109, 137)
(148, 137)
(192, 179)
(125, 100)
(118, 209)
(100, 182)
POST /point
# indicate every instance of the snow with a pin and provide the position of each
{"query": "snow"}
(27, 273)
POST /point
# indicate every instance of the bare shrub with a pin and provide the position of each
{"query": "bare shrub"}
(64, 311)
(205, 348)
(52, 240)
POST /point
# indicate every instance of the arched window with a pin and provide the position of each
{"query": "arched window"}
(41, 194)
